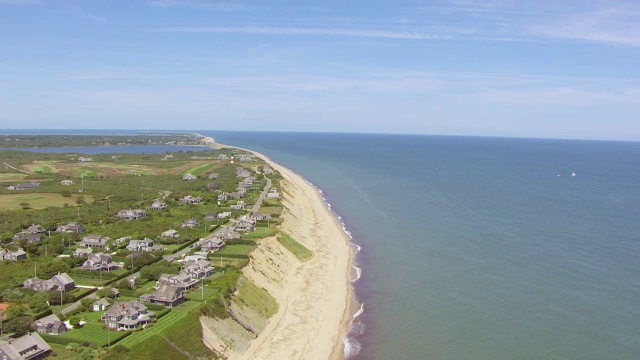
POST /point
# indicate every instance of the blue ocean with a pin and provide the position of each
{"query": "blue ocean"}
(481, 248)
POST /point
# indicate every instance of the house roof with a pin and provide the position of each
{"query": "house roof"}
(102, 301)
(166, 293)
(48, 320)
(64, 278)
(23, 343)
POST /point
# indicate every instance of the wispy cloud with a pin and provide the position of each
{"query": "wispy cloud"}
(83, 14)
(619, 25)
(20, 2)
(197, 4)
(268, 30)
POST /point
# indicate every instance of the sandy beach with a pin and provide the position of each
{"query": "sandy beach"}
(315, 296)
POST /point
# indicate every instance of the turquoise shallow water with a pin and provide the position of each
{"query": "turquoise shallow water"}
(475, 248)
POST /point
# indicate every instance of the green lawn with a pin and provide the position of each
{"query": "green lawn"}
(173, 317)
(93, 333)
(41, 168)
(297, 249)
(200, 169)
(63, 354)
(87, 172)
(233, 250)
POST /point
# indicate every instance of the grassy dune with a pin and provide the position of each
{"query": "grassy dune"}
(297, 249)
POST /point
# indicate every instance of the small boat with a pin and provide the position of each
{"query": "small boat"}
(573, 173)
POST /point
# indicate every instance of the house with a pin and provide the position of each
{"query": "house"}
(191, 200)
(211, 185)
(30, 346)
(166, 295)
(222, 197)
(101, 304)
(267, 170)
(50, 325)
(84, 159)
(223, 157)
(130, 214)
(100, 262)
(258, 217)
(36, 229)
(25, 186)
(143, 245)
(239, 206)
(29, 237)
(60, 282)
(210, 217)
(224, 214)
(236, 195)
(159, 205)
(80, 252)
(197, 269)
(245, 158)
(273, 194)
(182, 281)
(189, 177)
(191, 223)
(245, 224)
(212, 244)
(170, 233)
(8, 255)
(227, 234)
(72, 227)
(127, 315)
(213, 176)
(242, 172)
(167, 157)
(122, 240)
(66, 182)
(95, 241)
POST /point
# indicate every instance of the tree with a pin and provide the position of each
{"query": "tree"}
(66, 193)
(25, 205)
(105, 292)
(39, 302)
(55, 267)
(19, 325)
(142, 259)
(75, 320)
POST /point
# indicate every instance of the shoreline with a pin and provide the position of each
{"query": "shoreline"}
(333, 329)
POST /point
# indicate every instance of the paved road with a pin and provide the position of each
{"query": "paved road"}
(256, 207)
(75, 305)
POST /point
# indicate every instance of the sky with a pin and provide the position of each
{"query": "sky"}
(557, 69)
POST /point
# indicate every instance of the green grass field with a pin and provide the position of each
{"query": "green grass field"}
(41, 168)
(233, 250)
(200, 169)
(63, 354)
(297, 249)
(36, 200)
(87, 172)
(166, 321)
(12, 177)
(93, 333)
